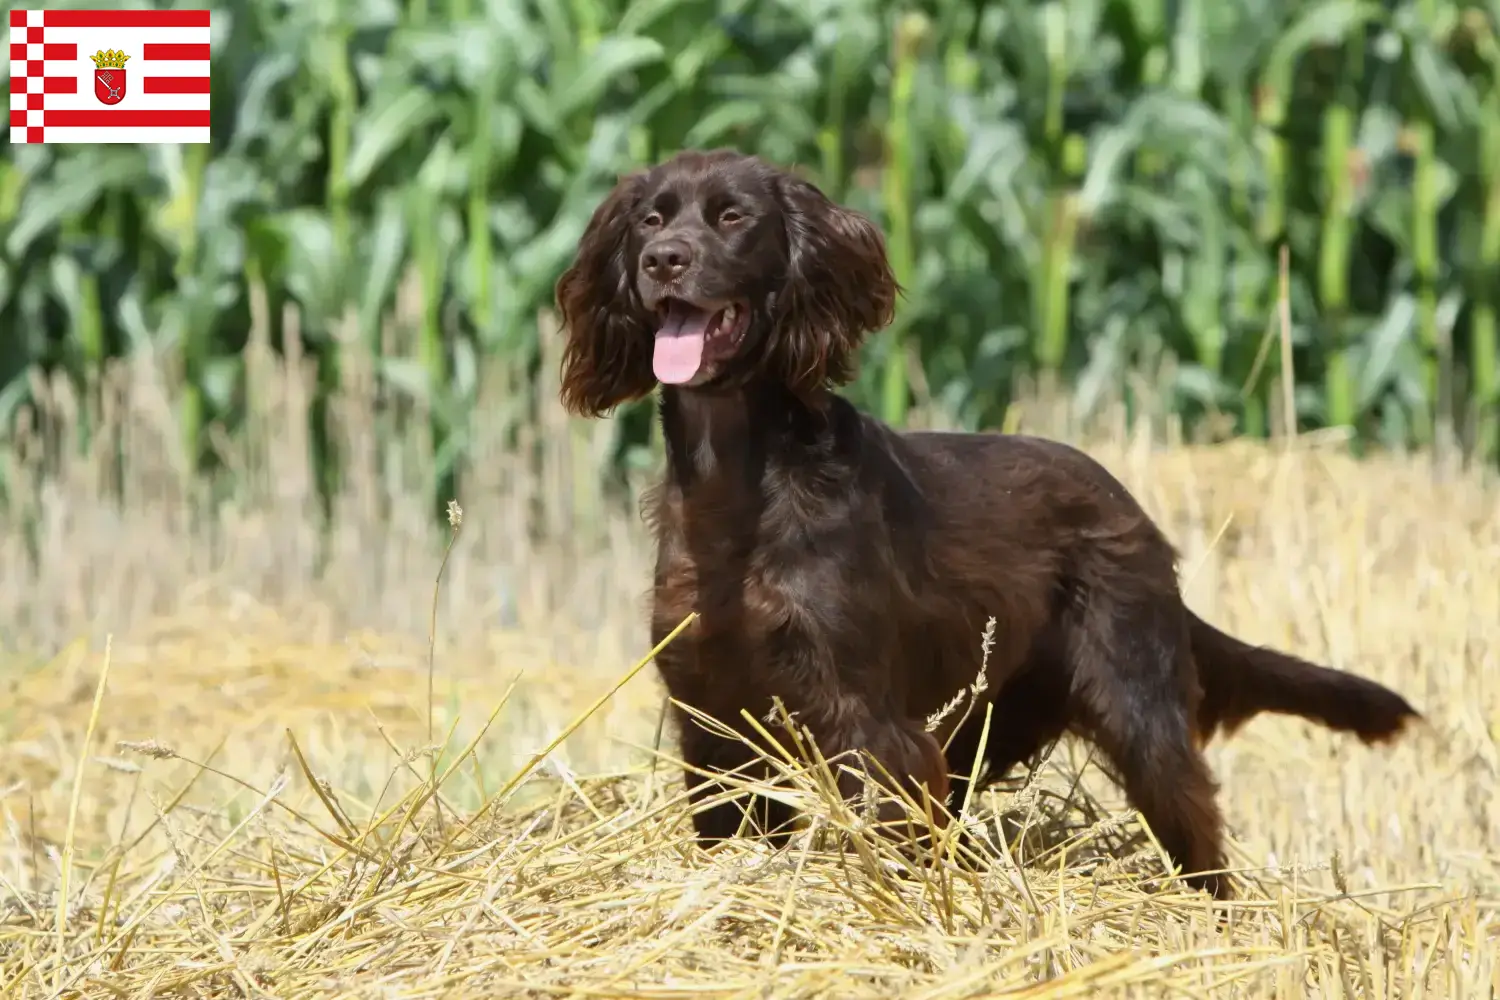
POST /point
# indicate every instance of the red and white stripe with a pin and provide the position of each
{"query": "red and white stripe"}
(52, 95)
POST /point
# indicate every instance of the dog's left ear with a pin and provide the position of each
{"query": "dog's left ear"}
(839, 286)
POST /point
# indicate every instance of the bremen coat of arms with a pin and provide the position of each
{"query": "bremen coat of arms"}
(109, 75)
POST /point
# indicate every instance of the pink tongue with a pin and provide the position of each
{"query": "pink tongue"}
(679, 343)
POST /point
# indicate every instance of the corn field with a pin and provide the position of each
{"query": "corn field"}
(1091, 195)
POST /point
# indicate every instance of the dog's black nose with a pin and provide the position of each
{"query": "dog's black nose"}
(665, 259)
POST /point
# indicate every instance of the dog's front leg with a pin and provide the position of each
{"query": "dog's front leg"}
(721, 809)
(901, 759)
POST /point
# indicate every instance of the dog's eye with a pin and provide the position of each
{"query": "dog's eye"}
(653, 220)
(730, 216)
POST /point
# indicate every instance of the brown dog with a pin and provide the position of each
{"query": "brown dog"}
(848, 568)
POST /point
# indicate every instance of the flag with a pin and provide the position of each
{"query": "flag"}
(109, 75)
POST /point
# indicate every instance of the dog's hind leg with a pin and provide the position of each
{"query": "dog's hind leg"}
(1135, 692)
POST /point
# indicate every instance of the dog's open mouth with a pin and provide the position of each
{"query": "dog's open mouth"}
(691, 339)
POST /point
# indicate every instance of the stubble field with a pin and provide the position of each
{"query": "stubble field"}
(217, 752)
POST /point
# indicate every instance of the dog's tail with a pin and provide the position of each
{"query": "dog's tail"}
(1240, 681)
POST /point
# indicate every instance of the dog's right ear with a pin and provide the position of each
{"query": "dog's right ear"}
(607, 360)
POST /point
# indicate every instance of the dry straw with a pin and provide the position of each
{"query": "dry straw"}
(263, 827)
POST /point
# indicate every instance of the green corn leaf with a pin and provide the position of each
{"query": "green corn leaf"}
(386, 252)
(612, 58)
(387, 127)
(1383, 344)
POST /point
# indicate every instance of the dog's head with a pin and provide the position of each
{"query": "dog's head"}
(716, 269)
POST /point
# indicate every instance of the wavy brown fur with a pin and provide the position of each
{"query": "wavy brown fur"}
(848, 569)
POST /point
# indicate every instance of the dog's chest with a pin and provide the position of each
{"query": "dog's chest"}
(771, 577)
